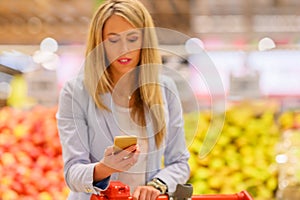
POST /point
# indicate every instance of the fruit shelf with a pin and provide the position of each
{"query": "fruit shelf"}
(31, 161)
(243, 157)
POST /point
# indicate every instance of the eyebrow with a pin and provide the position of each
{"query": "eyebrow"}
(129, 34)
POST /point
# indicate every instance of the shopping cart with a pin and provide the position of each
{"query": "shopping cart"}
(119, 191)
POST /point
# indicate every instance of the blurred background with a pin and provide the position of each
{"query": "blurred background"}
(253, 44)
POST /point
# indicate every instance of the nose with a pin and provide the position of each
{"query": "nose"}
(124, 47)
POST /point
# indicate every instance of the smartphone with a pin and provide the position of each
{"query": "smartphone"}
(123, 141)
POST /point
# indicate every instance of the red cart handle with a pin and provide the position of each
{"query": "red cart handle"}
(119, 191)
(243, 195)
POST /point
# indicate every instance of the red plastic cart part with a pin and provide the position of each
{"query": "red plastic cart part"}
(119, 191)
(243, 195)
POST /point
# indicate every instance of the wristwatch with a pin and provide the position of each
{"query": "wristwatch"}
(158, 184)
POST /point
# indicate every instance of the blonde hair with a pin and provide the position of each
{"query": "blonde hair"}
(96, 77)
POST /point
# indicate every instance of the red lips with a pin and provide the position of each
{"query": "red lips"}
(124, 61)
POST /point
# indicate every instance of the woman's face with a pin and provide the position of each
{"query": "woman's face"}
(122, 43)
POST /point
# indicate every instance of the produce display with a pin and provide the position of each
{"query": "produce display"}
(289, 120)
(31, 161)
(243, 157)
(288, 157)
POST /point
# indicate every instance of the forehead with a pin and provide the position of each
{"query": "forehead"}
(117, 24)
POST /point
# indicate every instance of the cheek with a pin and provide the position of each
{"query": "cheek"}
(111, 54)
(136, 55)
(134, 46)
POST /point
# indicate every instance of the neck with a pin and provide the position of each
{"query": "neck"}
(122, 78)
(123, 88)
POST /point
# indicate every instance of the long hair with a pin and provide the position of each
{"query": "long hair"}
(97, 79)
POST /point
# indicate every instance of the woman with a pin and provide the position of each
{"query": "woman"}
(121, 92)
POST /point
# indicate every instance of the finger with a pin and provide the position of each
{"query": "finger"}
(150, 192)
(143, 194)
(129, 165)
(137, 147)
(125, 166)
(136, 155)
(136, 193)
(127, 153)
(109, 151)
(133, 155)
(155, 193)
(129, 161)
(127, 156)
(130, 149)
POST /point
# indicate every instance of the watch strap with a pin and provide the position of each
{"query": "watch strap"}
(158, 184)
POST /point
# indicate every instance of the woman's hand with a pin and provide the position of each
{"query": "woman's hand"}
(145, 193)
(121, 161)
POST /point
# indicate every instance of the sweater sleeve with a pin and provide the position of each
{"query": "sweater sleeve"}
(176, 155)
(73, 133)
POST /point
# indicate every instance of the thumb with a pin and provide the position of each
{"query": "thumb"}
(108, 151)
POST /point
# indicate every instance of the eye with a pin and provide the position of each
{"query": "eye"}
(113, 39)
(132, 39)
